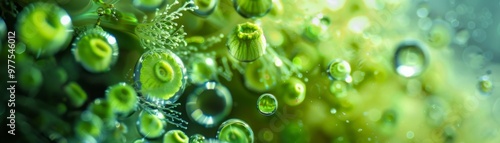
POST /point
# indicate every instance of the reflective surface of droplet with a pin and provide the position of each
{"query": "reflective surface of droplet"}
(209, 104)
(410, 59)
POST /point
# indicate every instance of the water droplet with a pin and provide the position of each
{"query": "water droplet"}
(209, 104)
(205, 7)
(253, 8)
(333, 111)
(235, 131)
(267, 104)
(410, 59)
(197, 138)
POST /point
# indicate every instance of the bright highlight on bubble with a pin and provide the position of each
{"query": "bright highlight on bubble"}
(209, 104)
(235, 131)
(410, 59)
(267, 104)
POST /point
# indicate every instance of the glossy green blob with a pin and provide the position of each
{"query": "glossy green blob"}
(247, 42)
(317, 28)
(261, 77)
(89, 124)
(160, 76)
(151, 125)
(267, 104)
(235, 131)
(103, 109)
(76, 95)
(197, 138)
(30, 79)
(202, 69)
(96, 50)
(252, 8)
(122, 97)
(41, 22)
(410, 59)
(209, 104)
(485, 85)
(141, 141)
(205, 7)
(339, 69)
(293, 91)
(175, 136)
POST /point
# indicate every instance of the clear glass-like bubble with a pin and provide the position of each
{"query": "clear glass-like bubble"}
(209, 104)
(252, 8)
(267, 104)
(339, 69)
(205, 7)
(151, 124)
(235, 131)
(410, 59)
(160, 76)
(202, 69)
(197, 138)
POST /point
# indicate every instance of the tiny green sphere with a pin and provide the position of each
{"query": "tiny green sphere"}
(96, 50)
(205, 7)
(260, 77)
(247, 42)
(410, 59)
(197, 138)
(339, 88)
(440, 35)
(76, 95)
(317, 28)
(30, 79)
(122, 97)
(339, 69)
(267, 104)
(103, 109)
(252, 8)
(161, 76)
(89, 124)
(175, 136)
(151, 125)
(45, 28)
(293, 91)
(235, 131)
(485, 85)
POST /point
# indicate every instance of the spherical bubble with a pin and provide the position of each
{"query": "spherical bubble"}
(45, 28)
(96, 50)
(267, 104)
(202, 69)
(235, 131)
(261, 77)
(252, 8)
(160, 76)
(122, 97)
(151, 124)
(89, 124)
(209, 104)
(485, 85)
(339, 69)
(175, 136)
(197, 138)
(247, 42)
(293, 91)
(410, 59)
(205, 7)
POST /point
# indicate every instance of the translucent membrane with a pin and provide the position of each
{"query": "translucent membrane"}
(267, 104)
(160, 76)
(122, 98)
(209, 104)
(205, 7)
(151, 124)
(235, 131)
(96, 50)
(410, 59)
(485, 85)
(45, 28)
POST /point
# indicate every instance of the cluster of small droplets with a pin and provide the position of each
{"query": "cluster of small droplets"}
(171, 115)
(162, 31)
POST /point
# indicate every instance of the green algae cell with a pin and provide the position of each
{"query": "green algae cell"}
(235, 131)
(41, 22)
(339, 69)
(485, 85)
(205, 7)
(151, 124)
(160, 76)
(103, 109)
(410, 59)
(89, 124)
(252, 8)
(175, 136)
(267, 104)
(122, 97)
(293, 91)
(247, 42)
(197, 138)
(76, 95)
(96, 50)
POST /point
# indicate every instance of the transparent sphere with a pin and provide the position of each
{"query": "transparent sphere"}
(410, 59)
(267, 104)
(235, 131)
(160, 76)
(339, 69)
(252, 8)
(209, 104)
(197, 138)
(151, 124)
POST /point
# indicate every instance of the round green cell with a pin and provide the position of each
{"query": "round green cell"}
(76, 95)
(151, 125)
(30, 79)
(122, 97)
(267, 104)
(45, 28)
(160, 76)
(293, 91)
(175, 136)
(260, 77)
(247, 42)
(485, 85)
(205, 7)
(235, 131)
(252, 8)
(89, 124)
(410, 59)
(96, 50)
(103, 109)
(197, 138)
(339, 69)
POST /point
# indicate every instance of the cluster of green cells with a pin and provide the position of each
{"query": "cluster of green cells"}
(245, 71)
